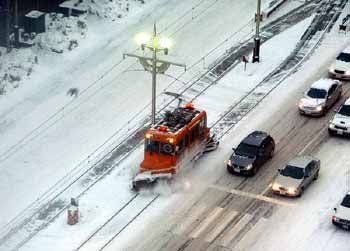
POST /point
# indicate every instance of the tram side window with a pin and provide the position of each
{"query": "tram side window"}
(202, 127)
(181, 145)
(195, 133)
(152, 146)
(187, 140)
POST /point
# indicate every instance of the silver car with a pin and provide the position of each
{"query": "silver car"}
(320, 97)
(296, 176)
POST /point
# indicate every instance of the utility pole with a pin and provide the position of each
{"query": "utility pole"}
(153, 64)
(7, 25)
(16, 27)
(256, 52)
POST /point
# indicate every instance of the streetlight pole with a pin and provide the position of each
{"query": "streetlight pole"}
(16, 27)
(154, 65)
(7, 25)
(154, 78)
(256, 52)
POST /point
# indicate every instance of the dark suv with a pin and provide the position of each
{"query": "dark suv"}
(251, 153)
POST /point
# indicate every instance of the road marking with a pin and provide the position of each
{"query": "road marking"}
(222, 224)
(265, 190)
(187, 222)
(313, 140)
(205, 223)
(253, 234)
(254, 196)
(236, 229)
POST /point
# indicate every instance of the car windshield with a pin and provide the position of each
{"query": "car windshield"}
(344, 57)
(346, 201)
(293, 172)
(345, 110)
(246, 150)
(316, 93)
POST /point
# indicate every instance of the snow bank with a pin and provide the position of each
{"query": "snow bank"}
(62, 34)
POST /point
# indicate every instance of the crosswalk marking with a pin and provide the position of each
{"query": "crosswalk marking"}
(220, 226)
(252, 235)
(188, 221)
(235, 230)
(254, 196)
(205, 223)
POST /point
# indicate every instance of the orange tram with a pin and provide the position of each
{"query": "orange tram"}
(180, 137)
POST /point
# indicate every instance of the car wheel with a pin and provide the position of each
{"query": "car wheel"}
(301, 192)
(330, 132)
(254, 171)
(272, 152)
(339, 96)
(229, 169)
(316, 176)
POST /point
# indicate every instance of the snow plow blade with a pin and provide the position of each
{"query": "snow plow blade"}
(212, 144)
(147, 180)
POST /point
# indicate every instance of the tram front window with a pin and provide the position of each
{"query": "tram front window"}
(159, 147)
(152, 146)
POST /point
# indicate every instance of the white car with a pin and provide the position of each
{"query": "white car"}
(340, 123)
(298, 174)
(320, 97)
(341, 217)
(341, 66)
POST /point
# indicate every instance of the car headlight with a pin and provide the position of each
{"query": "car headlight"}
(291, 190)
(275, 186)
(331, 124)
(319, 108)
(250, 166)
(331, 69)
(347, 73)
(228, 162)
(301, 104)
(335, 219)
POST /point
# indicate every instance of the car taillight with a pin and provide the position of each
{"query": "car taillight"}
(334, 218)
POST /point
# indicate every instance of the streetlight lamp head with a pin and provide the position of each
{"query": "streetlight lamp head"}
(165, 43)
(142, 38)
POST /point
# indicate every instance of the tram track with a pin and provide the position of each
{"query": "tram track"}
(221, 129)
(288, 71)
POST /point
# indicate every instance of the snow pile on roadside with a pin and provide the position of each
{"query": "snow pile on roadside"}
(62, 34)
(14, 67)
(110, 9)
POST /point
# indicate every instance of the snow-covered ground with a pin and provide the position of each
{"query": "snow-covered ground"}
(40, 119)
(104, 107)
(98, 200)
